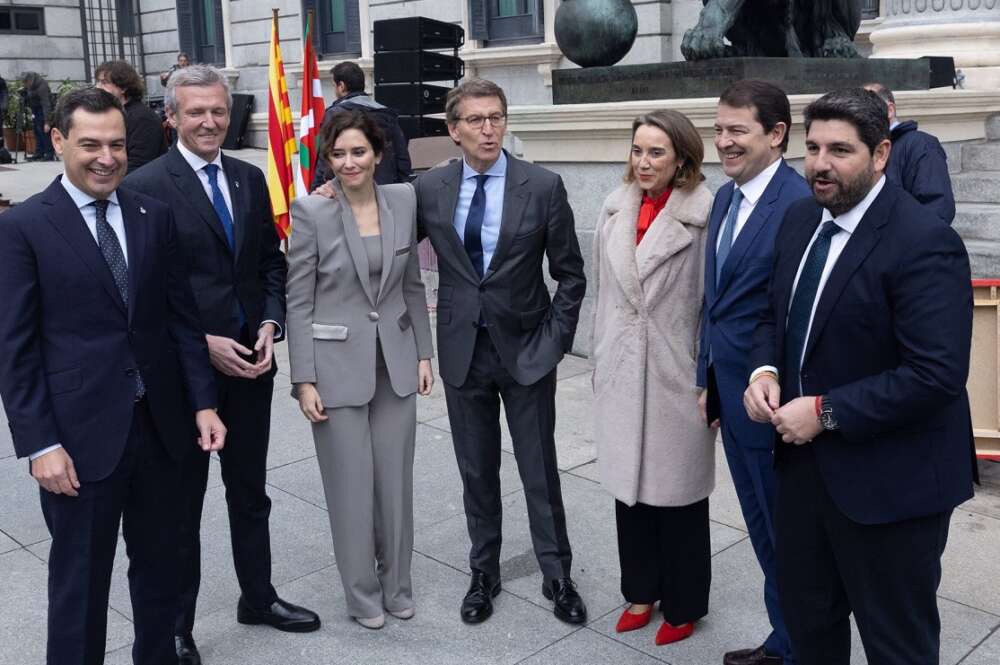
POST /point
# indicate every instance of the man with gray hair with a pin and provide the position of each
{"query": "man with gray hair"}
(227, 236)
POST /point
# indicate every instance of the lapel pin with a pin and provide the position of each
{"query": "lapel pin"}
(237, 183)
(142, 211)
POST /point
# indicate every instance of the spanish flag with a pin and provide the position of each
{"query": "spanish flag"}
(280, 138)
(311, 116)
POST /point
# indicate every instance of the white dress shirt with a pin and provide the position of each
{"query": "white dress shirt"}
(83, 202)
(752, 190)
(848, 223)
(198, 165)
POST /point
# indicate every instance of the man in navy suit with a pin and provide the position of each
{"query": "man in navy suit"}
(751, 134)
(104, 375)
(227, 236)
(861, 359)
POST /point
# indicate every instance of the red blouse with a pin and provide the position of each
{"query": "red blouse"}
(648, 211)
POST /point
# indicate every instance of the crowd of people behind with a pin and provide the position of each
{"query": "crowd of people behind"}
(821, 324)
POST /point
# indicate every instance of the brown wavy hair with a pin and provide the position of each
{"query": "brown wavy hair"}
(685, 140)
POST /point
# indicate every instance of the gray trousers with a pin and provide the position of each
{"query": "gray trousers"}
(365, 457)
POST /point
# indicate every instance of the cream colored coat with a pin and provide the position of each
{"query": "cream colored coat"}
(652, 446)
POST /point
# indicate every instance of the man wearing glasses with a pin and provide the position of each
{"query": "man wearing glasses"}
(492, 218)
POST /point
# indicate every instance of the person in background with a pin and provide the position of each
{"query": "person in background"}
(38, 98)
(917, 163)
(106, 382)
(654, 454)
(182, 62)
(349, 86)
(751, 134)
(144, 139)
(862, 358)
(359, 343)
(235, 264)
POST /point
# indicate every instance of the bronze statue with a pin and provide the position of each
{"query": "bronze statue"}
(774, 28)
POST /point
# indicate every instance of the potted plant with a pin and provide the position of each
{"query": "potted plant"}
(16, 107)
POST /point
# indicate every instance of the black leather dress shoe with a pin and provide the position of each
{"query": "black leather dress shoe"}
(569, 606)
(477, 606)
(187, 652)
(751, 657)
(281, 615)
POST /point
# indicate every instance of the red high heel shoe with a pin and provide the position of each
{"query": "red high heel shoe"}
(629, 621)
(668, 634)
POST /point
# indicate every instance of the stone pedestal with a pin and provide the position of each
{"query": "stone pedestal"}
(966, 30)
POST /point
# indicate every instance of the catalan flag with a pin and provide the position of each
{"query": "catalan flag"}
(280, 138)
(312, 114)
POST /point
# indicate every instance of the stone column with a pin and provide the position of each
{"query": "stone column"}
(967, 30)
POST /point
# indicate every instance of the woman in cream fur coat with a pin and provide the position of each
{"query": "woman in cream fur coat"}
(655, 455)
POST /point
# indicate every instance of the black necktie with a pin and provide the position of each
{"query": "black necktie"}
(115, 258)
(800, 310)
(474, 226)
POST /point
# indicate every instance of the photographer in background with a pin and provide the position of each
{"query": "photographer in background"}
(144, 140)
(38, 98)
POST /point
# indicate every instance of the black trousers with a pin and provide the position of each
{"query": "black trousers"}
(245, 409)
(829, 567)
(666, 556)
(474, 414)
(141, 495)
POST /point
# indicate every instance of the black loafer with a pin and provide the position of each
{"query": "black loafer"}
(569, 606)
(281, 615)
(187, 652)
(751, 657)
(477, 606)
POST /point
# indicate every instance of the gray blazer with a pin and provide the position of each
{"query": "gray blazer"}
(332, 317)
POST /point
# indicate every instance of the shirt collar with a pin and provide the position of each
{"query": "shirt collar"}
(498, 170)
(195, 162)
(80, 198)
(849, 220)
(894, 124)
(754, 188)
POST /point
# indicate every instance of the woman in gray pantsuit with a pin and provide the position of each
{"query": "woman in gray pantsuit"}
(359, 348)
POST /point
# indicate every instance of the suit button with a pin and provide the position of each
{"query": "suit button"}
(373, 316)
(129, 372)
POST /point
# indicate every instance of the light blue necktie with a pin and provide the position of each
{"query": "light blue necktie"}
(728, 227)
(219, 203)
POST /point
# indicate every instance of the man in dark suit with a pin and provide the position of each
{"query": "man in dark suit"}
(751, 134)
(228, 238)
(492, 218)
(862, 358)
(104, 376)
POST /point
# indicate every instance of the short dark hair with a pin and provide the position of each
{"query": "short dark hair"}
(91, 100)
(124, 76)
(768, 101)
(882, 91)
(685, 140)
(336, 124)
(471, 88)
(862, 108)
(350, 75)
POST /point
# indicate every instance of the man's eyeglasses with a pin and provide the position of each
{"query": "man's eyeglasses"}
(497, 120)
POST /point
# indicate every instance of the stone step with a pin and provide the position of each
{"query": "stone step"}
(981, 156)
(978, 221)
(976, 187)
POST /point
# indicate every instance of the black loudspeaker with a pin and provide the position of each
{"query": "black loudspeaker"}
(416, 67)
(412, 98)
(415, 126)
(416, 33)
(239, 121)
(942, 71)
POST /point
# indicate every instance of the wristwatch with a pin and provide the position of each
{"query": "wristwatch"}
(826, 418)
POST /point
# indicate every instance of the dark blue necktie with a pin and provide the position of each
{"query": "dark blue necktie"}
(800, 310)
(474, 226)
(728, 228)
(219, 203)
(111, 249)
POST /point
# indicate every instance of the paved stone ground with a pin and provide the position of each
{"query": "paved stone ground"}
(523, 629)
